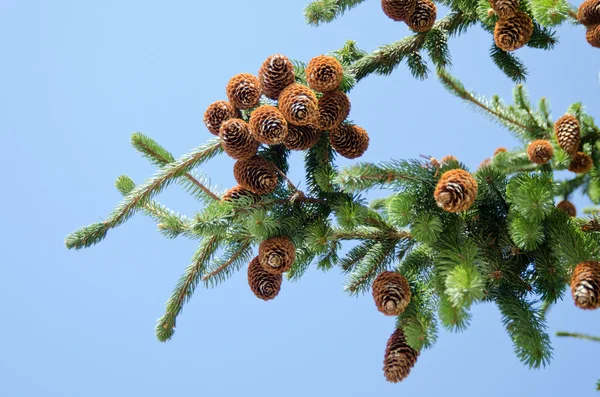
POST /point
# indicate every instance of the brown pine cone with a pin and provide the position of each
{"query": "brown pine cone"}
(585, 285)
(592, 35)
(540, 151)
(505, 8)
(268, 125)
(243, 91)
(263, 284)
(301, 137)
(298, 104)
(255, 174)
(324, 73)
(513, 33)
(334, 107)
(500, 150)
(277, 254)
(423, 18)
(568, 207)
(566, 129)
(216, 113)
(581, 163)
(276, 73)
(589, 12)
(349, 140)
(398, 10)
(448, 158)
(399, 357)
(237, 192)
(391, 293)
(236, 139)
(456, 191)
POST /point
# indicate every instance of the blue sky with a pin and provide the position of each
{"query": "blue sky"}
(77, 78)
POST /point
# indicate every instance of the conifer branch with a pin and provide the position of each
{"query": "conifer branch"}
(321, 11)
(185, 287)
(386, 58)
(578, 336)
(170, 223)
(94, 233)
(150, 149)
(231, 260)
(455, 86)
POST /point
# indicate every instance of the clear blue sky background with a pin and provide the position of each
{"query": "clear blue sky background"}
(78, 77)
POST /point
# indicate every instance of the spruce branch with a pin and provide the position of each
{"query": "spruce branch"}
(526, 327)
(159, 156)
(578, 336)
(512, 66)
(322, 11)
(240, 255)
(498, 114)
(386, 58)
(185, 287)
(94, 233)
(170, 223)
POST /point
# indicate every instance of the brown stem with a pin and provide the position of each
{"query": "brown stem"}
(201, 186)
(228, 263)
(290, 183)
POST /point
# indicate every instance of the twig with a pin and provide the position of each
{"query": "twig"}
(290, 183)
(579, 336)
(228, 263)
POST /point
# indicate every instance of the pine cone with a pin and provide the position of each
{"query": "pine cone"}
(593, 36)
(268, 125)
(566, 129)
(540, 151)
(585, 285)
(398, 10)
(255, 174)
(456, 191)
(505, 8)
(589, 12)
(301, 137)
(448, 158)
(334, 107)
(265, 285)
(581, 163)
(513, 33)
(276, 73)
(236, 139)
(243, 91)
(500, 150)
(567, 207)
(216, 113)
(399, 357)
(277, 254)
(298, 104)
(349, 140)
(423, 18)
(237, 192)
(391, 293)
(324, 73)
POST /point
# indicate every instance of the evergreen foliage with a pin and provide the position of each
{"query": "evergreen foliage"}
(512, 247)
(462, 15)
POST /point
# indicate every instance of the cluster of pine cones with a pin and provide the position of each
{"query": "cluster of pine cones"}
(567, 132)
(297, 121)
(419, 15)
(589, 15)
(514, 27)
(391, 293)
